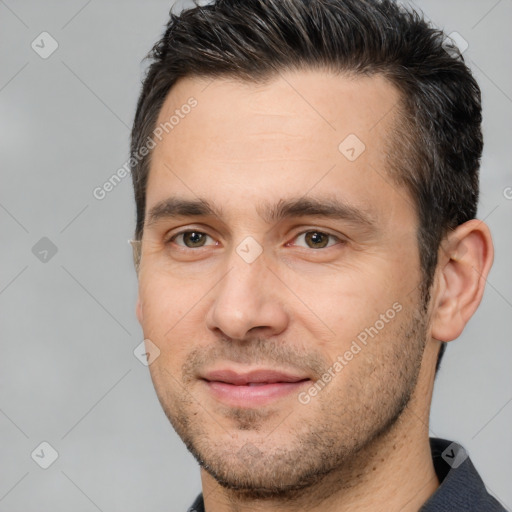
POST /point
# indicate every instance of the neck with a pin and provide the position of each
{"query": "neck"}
(393, 473)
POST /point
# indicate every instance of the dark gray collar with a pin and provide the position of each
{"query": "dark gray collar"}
(461, 487)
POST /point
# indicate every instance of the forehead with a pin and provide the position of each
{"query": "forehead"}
(294, 103)
(294, 132)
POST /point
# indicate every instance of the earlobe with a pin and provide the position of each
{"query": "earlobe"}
(465, 260)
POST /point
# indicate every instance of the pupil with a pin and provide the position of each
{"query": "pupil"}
(317, 239)
(195, 238)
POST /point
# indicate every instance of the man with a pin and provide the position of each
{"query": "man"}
(306, 180)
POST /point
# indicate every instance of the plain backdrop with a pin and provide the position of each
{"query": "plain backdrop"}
(68, 373)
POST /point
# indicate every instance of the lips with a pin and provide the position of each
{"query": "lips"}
(252, 378)
(252, 389)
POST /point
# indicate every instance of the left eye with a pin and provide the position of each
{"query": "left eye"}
(317, 239)
(191, 239)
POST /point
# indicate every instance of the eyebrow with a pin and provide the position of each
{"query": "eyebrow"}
(295, 207)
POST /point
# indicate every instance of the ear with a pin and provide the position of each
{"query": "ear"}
(136, 250)
(465, 259)
(138, 310)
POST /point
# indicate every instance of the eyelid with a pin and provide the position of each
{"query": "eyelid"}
(185, 228)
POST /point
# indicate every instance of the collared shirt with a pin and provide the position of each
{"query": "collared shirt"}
(460, 487)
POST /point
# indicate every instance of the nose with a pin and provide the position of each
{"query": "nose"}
(248, 301)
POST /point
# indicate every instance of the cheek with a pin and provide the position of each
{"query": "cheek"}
(173, 319)
(345, 299)
(362, 310)
(161, 294)
(164, 303)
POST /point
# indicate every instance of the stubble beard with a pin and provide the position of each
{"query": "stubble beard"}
(338, 436)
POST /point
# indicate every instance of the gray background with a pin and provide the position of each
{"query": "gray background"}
(68, 374)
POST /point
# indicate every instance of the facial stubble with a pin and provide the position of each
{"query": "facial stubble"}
(270, 453)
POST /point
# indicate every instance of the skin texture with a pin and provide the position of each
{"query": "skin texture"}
(361, 443)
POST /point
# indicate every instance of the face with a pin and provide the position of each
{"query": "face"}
(280, 276)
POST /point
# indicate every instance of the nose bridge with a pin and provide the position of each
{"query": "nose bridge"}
(245, 297)
(243, 287)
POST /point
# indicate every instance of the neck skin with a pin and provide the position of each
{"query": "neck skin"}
(395, 473)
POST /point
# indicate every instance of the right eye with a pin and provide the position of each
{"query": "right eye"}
(190, 239)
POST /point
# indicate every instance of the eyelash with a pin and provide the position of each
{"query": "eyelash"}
(184, 247)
